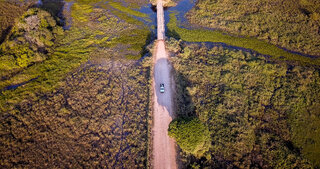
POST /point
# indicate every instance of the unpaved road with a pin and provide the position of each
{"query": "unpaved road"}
(160, 21)
(164, 150)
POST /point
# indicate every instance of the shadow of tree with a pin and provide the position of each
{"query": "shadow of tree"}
(183, 101)
(151, 37)
(5, 33)
(173, 33)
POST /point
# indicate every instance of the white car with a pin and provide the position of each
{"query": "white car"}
(161, 88)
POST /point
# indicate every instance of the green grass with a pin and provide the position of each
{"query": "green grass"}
(83, 11)
(50, 72)
(136, 39)
(118, 6)
(201, 35)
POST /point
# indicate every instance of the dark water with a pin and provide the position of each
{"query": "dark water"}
(12, 87)
(180, 9)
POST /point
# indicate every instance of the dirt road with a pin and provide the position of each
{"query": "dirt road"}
(164, 152)
(160, 21)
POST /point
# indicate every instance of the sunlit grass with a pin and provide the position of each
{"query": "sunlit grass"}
(122, 8)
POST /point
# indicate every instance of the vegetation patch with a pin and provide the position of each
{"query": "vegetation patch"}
(9, 11)
(87, 37)
(191, 135)
(202, 35)
(259, 113)
(130, 11)
(86, 103)
(291, 24)
(30, 41)
(96, 118)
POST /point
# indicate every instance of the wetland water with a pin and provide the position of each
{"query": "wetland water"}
(180, 9)
(184, 6)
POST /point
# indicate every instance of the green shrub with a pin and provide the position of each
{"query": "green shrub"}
(31, 39)
(191, 135)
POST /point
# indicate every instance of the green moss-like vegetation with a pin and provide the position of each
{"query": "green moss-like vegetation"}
(122, 8)
(82, 15)
(191, 135)
(202, 35)
(259, 113)
(78, 43)
(292, 24)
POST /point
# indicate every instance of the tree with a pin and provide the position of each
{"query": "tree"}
(191, 135)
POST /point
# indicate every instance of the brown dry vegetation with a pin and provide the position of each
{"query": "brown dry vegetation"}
(97, 118)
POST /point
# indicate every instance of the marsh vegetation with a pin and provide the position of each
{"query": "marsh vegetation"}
(260, 113)
(84, 100)
(291, 24)
(74, 91)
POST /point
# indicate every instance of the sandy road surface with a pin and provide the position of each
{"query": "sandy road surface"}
(164, 152)
(160, 21)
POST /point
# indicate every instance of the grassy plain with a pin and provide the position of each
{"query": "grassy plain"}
(292, 24)
(202, 35)
(86, 104)
(260, 114)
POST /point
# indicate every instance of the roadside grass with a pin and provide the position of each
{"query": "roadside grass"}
(201, 35)
(136, 39)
